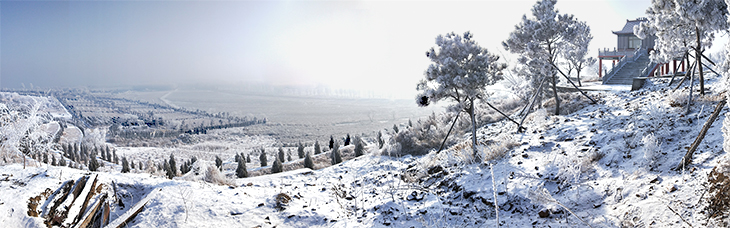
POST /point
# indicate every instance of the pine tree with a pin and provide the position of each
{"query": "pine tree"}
(140, 166)
(241, 171)
(45, 158)
(125, 165)
(237, 158)
(62, 162)
(308, 162)
(219, 163)
(332, 142)
(262, 158)
(173, 168)
(168, 170)
(460, 71)
(277, 167)
(109, 157)
(281, 154)
(347, 140)
(288, 155)
(116, 159)
(300, 150)
(53, 161)
(248, 158)
(93, 164)
(317, 149)
(395, 128)
(336, 156)
(539, 40)
(131, 164)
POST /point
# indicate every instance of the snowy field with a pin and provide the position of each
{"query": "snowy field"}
(292, 119)
(606, 165)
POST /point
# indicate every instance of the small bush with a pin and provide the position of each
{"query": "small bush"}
(212, 175)
(651, 148)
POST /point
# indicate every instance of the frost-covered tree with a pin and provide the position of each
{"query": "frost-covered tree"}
(281, 154)
(125, 165)
(173, 167)
(539, 40)
(575, 54)
(93, 164)
(62, 162)
(681, 26)
(460, 71)
(317, 149)
(262, 158)
(248, 158)
(241, 171)
(336, 155)
(300, 150)
(277, 167)
(288, 155)
(308, 161)
(359, 148)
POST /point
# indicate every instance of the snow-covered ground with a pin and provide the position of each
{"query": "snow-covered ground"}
(606, 165)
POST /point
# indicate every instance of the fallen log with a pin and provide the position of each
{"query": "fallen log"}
(688, 156)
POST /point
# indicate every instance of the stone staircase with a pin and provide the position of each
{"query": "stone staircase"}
(625, 74)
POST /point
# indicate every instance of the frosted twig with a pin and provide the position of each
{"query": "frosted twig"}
(680, 216)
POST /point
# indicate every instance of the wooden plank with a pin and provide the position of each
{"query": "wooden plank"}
(125, 218)
(87, 218)
(57, 198)
(61, 211)
(89, 195)
(75, 209)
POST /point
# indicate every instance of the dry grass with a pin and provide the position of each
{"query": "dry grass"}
(496, 149)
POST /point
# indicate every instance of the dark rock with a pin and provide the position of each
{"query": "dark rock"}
(544, 213)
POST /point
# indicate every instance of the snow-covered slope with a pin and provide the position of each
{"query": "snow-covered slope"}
(607, 165)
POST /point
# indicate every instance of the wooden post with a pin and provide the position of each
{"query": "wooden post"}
(600, 68)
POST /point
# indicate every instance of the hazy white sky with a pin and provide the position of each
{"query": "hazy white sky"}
(371, 45)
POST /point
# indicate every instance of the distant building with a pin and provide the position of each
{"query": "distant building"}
(627, 45)
(630, 57)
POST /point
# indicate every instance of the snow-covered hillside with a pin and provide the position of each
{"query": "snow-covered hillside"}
(606, 165)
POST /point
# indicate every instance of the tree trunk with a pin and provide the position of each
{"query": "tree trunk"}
(698, 56)
(577, 71)
(555, 93)
(473, 128)
(688, 156)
